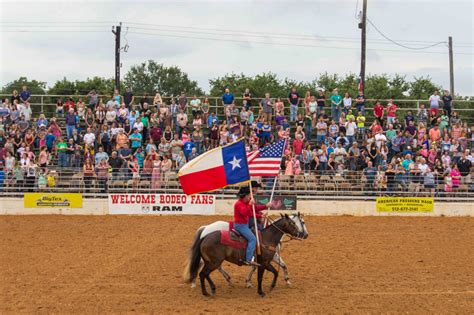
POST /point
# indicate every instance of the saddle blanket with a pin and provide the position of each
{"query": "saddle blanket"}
(229, 238)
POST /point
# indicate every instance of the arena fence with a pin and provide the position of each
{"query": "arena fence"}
(314, 185)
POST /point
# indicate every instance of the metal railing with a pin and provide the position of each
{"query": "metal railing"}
(309, 185)
(46, 104)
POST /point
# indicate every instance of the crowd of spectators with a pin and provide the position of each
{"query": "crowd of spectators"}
(125, 137)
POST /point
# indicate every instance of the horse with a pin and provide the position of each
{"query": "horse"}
(224, 225)
(213, 253)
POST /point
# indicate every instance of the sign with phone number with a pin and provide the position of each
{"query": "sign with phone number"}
(404, 204)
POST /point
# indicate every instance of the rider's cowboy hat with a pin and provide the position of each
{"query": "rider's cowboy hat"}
(243, 191)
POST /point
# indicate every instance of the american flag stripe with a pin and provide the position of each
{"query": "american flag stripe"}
(266, 161)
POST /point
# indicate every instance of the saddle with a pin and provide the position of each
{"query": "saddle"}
(233, 238)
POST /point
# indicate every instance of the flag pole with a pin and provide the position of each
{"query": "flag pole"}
(255, 219)
(276, 177)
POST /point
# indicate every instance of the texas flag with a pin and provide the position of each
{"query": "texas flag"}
(215, 169)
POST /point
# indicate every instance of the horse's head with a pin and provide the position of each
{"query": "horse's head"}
(299, 221)
(289, 226)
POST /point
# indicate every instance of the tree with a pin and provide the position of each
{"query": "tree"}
(151, 77)
(422, 88)
(65, 87)
(34, 86)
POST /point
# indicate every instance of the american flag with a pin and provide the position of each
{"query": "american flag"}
(360, 86)
(266, 161)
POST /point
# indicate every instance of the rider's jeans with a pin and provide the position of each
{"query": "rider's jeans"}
(249, 236)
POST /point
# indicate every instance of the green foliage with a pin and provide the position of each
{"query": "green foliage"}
(151, 77)
(35, 87)
(65, 87)
(423, 87)
(376, 86)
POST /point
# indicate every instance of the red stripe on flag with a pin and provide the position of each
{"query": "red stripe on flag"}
(206, 180)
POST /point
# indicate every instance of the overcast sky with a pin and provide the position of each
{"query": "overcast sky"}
(326, 38)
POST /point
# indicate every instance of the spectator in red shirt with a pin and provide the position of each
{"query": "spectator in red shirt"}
(391, 112)
(298, 146)
(378, 112)
(69, 104)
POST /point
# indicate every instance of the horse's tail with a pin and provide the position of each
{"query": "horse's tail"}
(193, 263)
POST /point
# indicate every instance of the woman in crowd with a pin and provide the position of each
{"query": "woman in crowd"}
(89, 174)
(156, 174)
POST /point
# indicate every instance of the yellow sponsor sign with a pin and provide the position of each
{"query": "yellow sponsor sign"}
(404, 204)
(53, 200)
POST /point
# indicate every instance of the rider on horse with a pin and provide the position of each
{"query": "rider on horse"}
(242, 213)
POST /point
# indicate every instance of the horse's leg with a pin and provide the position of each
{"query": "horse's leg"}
(248, 281)
(193, 283)
(261, 270)
(272, 269)
(277, 259)
(211, 283)
(202, 276)
(226, 275)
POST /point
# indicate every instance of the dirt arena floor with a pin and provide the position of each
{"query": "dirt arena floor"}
(112, 264)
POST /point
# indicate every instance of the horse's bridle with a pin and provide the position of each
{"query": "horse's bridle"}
(272, 223)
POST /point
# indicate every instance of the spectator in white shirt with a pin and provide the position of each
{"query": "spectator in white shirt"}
(89, 138)
(434, 102)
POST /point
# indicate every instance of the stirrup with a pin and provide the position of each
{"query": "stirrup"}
(251, 263)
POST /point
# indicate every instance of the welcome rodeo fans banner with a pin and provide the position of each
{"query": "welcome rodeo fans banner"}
(404, 204)
(162, 204)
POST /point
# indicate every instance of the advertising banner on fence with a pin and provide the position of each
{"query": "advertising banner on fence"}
(278, 202)
(162, 204)
(52, 200)
(405, 204)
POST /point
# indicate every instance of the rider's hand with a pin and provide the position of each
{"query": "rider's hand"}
(269, 205)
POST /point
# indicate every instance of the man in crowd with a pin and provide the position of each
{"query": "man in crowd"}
(128, 97)
(464, 167)
(267, 105)
(336, 101)
(293, 99)
(447, 103)
(25, 95)
(227, 98)
(434, 103)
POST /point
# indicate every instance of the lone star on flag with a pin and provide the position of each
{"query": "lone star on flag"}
(235, 163)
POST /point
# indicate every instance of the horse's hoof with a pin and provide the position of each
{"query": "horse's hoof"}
(262, 294)
(248, 284)
(193, 285)
(231, 284)
(205, 294)
(271, 288)
(288, 283)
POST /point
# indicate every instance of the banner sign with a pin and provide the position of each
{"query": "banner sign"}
(52, 200)
(162, 204)
(278, 202)
(408, 204)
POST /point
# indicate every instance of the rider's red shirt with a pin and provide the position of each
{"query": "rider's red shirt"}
(243, 211)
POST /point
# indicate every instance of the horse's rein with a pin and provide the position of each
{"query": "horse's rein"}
(272, 223)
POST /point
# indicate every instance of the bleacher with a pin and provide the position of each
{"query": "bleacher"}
(313, 184)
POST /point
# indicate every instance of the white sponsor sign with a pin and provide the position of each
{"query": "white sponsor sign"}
(162, 204)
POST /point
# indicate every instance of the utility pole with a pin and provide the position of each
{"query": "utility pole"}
(116, 30)
(362, 26)
(451, 69)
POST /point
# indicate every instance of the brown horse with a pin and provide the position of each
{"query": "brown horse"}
(213, 253)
